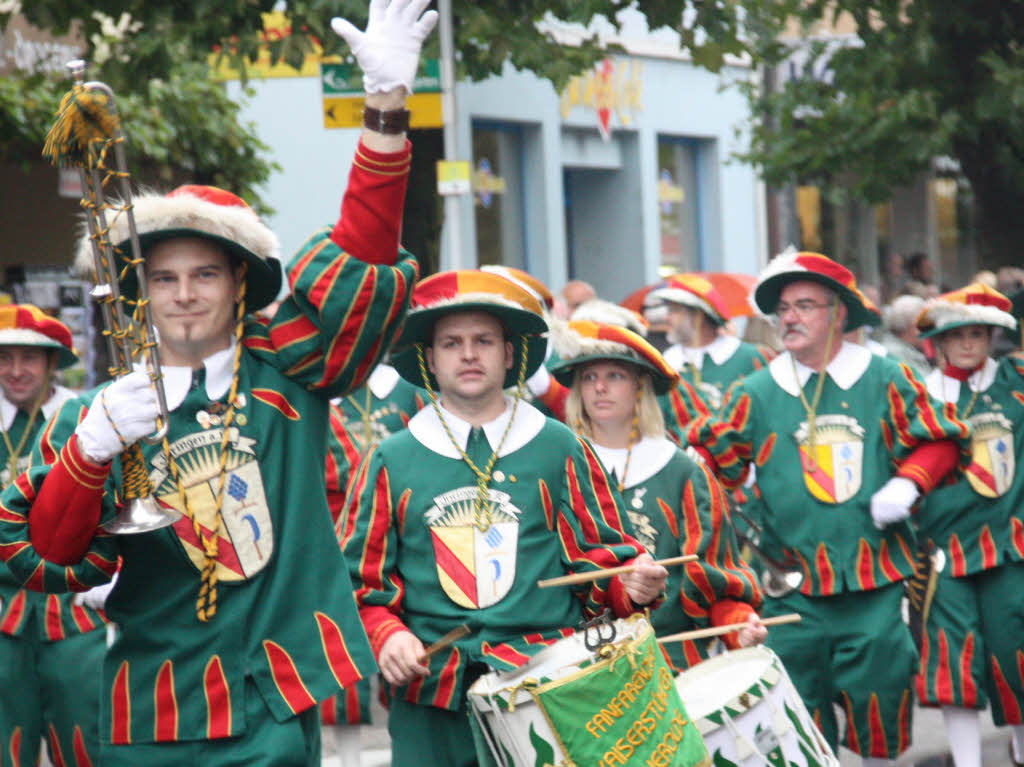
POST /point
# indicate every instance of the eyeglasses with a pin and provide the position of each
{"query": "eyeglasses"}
(802, 308)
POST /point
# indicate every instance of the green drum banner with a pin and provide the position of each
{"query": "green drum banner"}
(623, 711)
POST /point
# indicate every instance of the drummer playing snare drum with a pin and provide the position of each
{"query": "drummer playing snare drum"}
(453, 520)
(675, 503)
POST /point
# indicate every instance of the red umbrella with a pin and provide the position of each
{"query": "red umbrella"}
(734, 288)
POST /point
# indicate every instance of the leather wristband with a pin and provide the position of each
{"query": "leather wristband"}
(391, 122)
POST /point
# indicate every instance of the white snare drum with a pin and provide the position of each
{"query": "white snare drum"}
(749, 713)
(520, 724)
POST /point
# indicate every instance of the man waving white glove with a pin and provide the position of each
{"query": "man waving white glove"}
(121, 415)
(388, 51)
(891, 503)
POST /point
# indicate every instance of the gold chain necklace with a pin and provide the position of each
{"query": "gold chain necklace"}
(483, 515)
(365, 415)
(811, 408)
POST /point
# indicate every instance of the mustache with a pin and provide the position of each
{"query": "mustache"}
(795, 327)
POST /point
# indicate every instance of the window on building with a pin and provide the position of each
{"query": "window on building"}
(498, 194)
(679, 204)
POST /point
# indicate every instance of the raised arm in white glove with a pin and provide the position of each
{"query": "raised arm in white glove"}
(388, 51)
(131, 412)
(891, 503)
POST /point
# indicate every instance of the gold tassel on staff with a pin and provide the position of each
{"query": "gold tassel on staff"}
(87, 134)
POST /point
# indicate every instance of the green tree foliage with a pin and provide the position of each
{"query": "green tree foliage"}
(923, 79)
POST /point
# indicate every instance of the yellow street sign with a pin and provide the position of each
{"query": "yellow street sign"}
(453, 177)
(347, 111)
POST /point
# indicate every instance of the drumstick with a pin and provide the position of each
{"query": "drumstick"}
(452, 636)
(596, 575)
(717, 630)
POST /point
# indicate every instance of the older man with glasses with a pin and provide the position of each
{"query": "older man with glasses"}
(844, 442)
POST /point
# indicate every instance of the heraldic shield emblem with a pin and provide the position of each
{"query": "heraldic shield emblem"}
(832, 461)
(476, 564)
(992, 459)
(246, 536)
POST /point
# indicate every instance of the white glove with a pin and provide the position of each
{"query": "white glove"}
(388, 51)
(96, 597)
(891, 503)
(131, 410)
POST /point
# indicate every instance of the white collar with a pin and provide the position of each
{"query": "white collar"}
(9, 411)
(647, 458)
(719, 350)
(178, 379)
(845, 369)
(382, 380)
(946, 389)
(428, 430)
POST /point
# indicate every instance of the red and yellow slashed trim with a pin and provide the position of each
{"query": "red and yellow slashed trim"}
(765, 451)
(78, 746)
(53, 622)
(121, 707)
(165, 705)
(339, 659)
(14, 614)
(219, 712)
(286, 677)
(447, 680)
(1007, 699)
(277, 401)
(546, 504)
(670, 518)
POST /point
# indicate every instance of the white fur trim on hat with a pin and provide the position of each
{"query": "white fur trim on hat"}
(944, 313)
(686, 298)
(606, 313)
(26, 337)
(156, 213)
(574, 345)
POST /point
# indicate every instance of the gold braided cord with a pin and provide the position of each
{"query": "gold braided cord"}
(206, 604)
(634, 435)
(812, 408)
(482, 509)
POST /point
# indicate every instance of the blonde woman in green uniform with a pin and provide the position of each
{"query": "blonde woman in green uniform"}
(51, 646)
(972, 632)
(675, 504)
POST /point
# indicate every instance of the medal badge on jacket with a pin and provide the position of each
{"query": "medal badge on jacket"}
(246, 540)
(832, 466)
(992, 460)
(475, 552)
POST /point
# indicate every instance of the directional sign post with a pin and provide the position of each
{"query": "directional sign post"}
(343, 96)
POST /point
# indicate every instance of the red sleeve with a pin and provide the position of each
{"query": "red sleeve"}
(726, 611)
(929, 463)
(67, 510)
(371, 210)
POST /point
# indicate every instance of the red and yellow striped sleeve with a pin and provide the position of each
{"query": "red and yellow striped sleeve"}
(350, 286)
(594, 531)
(342, 458)
(370, 545)
(50, 537)
(927, 439)
(719, 573)
(725, 437)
